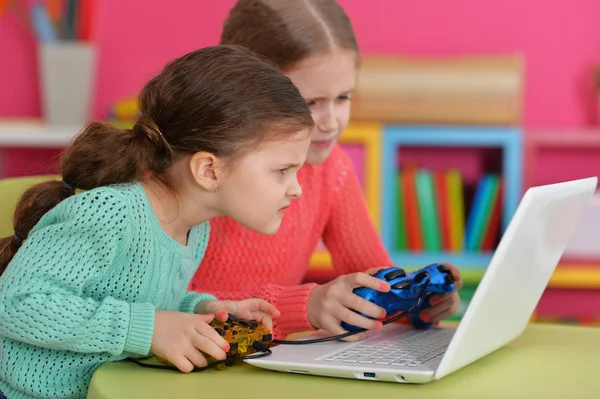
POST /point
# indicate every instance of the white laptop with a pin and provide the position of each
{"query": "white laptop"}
(500, 309)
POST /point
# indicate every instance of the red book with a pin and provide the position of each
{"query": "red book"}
(412, 215)
(442, 203)
(493, 227)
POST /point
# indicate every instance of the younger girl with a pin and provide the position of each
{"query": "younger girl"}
(313, 43)
(101, 275)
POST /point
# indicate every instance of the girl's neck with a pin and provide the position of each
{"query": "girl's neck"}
(175, 209)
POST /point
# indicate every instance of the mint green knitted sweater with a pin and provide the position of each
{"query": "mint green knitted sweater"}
(83, 289)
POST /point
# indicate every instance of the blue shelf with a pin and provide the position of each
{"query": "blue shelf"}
(462, 261)
(397, 136)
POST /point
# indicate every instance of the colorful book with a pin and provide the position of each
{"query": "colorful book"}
(401, 239)
(411, 208)
(480, 211)
(456, 209)
(428, 211)
(493, 226)
(441, 192)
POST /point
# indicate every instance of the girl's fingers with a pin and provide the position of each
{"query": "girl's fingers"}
(334, 327)
(210, 348)
(195, 357)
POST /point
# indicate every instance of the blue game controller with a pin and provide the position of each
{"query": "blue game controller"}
(406, 289)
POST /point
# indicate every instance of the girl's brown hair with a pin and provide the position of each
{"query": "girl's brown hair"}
(223, 99)
(287, 31)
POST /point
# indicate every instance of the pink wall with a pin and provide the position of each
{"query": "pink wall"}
(560, 38)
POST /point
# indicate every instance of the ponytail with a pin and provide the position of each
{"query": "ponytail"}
(100, 155)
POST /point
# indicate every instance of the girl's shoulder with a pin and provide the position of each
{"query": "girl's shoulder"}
(102, 203)
(339, 157)
(337, 167)
(92, 214)
(102, 198)
(338, 163)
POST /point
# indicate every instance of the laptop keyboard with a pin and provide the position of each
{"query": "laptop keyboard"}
(408, 349)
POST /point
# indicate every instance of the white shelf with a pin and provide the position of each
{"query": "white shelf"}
(35, 134)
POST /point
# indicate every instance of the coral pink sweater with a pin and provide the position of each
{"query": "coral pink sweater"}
(239, 263)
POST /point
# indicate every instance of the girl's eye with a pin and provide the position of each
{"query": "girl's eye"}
(311, 103)
(344, 97)
(282, 171)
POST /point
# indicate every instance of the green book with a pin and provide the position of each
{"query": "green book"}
(401, 241)
(428, 211)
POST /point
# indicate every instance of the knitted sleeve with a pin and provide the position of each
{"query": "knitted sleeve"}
(41, 291)
(291, 301)
(191, 299)
(349, 235)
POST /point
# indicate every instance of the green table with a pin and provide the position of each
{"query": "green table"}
(547, 361)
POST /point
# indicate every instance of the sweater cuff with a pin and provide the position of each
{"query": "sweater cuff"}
(292, 302)
(141, 328)
(191, 299)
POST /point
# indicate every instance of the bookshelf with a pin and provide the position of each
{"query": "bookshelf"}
(397, 138)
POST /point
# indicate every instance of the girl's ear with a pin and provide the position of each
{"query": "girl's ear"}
(206, 169)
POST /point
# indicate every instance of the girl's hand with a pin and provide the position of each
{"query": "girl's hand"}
(250, 309)
(332, 303)
(180, 338)
(443, 305)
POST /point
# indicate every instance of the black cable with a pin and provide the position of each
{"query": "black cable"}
(265, 351)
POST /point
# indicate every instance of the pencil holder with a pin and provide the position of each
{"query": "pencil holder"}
(67, 78)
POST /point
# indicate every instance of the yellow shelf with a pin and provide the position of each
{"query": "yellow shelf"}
(576, 277)
(565, 276)
(321, 259)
